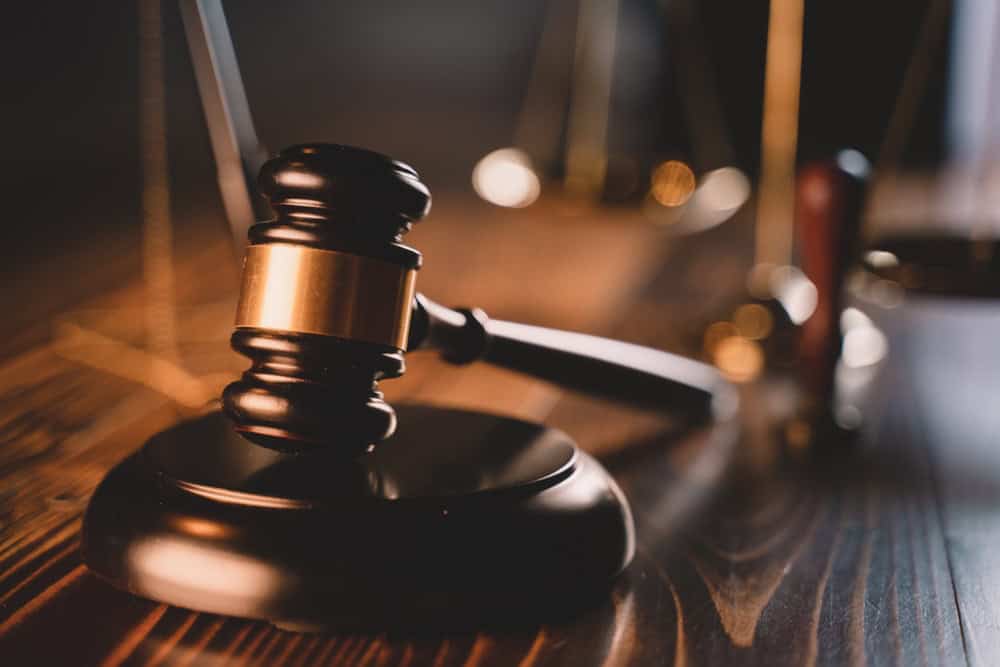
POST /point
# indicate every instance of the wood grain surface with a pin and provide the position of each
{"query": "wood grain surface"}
(880, 552)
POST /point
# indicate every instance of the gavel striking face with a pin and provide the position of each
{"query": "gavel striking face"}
(326, 301)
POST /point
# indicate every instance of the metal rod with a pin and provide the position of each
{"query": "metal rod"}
(779, 134)
(157, 228)
(590, 101)
(239, 155)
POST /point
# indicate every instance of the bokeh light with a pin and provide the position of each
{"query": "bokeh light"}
(691, 205)
(739, 359)
(715, 334)
(796, 293)
(506, 178)
(724, 190)
(864, 343)
(673, 183)
(753, 321)
(881, 259)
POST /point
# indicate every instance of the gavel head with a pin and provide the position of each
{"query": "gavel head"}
(325, 304)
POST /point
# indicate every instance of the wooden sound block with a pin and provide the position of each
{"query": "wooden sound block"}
(460, 518)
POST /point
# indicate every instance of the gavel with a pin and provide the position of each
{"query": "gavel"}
(288, 508)
(328, 306)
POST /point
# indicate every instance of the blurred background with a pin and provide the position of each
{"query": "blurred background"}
(596, 94)
(587, 159)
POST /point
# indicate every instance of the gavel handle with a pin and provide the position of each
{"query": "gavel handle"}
(605, 368)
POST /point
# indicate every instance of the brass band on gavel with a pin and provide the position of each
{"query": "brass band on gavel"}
(299, 289)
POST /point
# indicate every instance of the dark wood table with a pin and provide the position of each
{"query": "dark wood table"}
(877, 552)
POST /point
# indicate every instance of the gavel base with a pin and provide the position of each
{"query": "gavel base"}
(459, 519)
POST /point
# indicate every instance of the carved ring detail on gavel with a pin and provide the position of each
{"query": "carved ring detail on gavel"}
(328, 305)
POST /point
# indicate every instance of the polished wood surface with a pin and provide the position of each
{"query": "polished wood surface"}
(877, 553)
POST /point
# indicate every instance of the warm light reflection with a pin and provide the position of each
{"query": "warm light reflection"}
(798, 434)
(673, 183)
(753, 321)
(739, 359)
(506, 177)
(300, 179)
(715, 334)
(200, 527)
(113, 356)
(779, 132)
(676, 198)
(165, 568)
